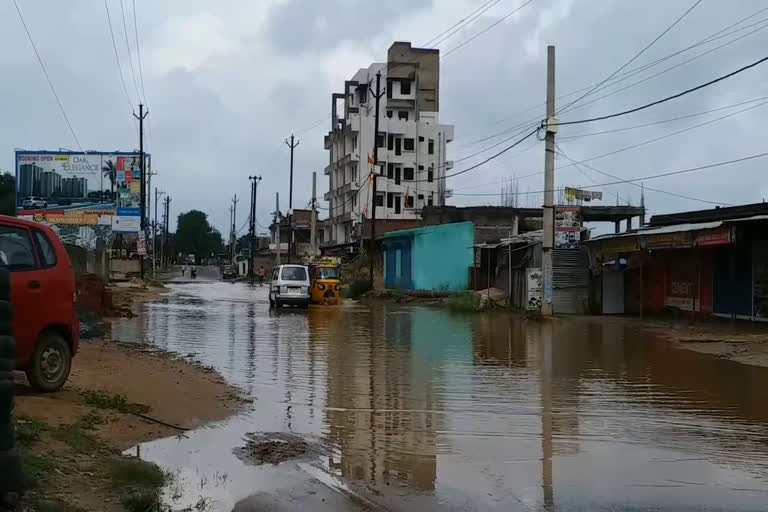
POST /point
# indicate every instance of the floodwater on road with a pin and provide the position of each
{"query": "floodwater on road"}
(410, 407)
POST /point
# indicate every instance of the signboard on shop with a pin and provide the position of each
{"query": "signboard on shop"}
(567, 227)
(533, 289)
(720, 236)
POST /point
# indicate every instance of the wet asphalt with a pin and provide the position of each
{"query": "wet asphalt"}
(415, 408)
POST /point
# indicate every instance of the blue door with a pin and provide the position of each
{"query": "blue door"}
(397, 265)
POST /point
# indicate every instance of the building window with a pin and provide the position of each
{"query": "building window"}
(380, 139)
(402, 115)
(390, 200)
(389, 114)
(354, 142)
(397, 175)
(379, 199)
(421, 139)
(363, 93)
(389, 89)
(397, 204)
(431, 147)
(431, 176)
(409, 201)
(408, 144)
(391, 142)
(421, 197)
(408, 174)
(390, 170)
(421, 167)
(398, 146)
(431, 200)
(405, 87)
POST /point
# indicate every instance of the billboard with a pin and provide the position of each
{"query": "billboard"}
(567, 227)
(84, 197)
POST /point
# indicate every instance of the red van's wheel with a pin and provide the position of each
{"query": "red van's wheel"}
(51, 363)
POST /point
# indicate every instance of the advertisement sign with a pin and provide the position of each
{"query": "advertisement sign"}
(567, 227)
(534, 285)
(679, 240)
(712, 237)
(141, 244)
(126, 220)
(577, 194)
(76, 193)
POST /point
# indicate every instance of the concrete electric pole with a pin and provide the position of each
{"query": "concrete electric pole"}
(158, 193)
(548, 239)
(277, 228)
(313, 216)
(293, 146)
(374, 177)
(143, 179)
(233, 241)
(254, 189)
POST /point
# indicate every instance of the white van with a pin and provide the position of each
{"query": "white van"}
(289, 285)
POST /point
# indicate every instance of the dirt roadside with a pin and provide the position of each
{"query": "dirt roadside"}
(118, 395)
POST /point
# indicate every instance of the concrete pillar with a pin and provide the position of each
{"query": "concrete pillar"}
(617, 226)
(629, 224)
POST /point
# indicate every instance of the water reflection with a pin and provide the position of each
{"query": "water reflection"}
(418, 408)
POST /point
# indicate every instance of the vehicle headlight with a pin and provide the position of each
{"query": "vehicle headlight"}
(304, 289)
(321, 286)
(277, 289)
(338, 287)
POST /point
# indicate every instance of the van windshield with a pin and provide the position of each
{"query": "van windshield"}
(294, 274)
(327, 273)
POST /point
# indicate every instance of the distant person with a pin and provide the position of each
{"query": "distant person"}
(262, 272)
(183, 271)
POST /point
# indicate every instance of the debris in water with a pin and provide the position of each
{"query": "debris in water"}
(272, 448)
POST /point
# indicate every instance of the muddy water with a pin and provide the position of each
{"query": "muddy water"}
(408, 407)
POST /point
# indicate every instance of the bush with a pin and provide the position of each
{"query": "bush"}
(357, 289)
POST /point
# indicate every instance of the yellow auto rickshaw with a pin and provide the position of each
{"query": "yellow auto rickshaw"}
(325, 285)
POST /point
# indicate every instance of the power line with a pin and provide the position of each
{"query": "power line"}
(514, 11)
(642, 178)
(668, 98)
(577, 164)
(667, 70)
(435, 41)
(47, 78)
(630, 61)
(663, 121)
(138, 51)
(117, 56)
(128, 46)
(712, 37)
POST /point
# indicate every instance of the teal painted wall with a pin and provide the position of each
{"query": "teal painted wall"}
(440, 256)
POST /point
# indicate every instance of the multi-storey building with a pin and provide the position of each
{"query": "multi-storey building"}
(412, 157)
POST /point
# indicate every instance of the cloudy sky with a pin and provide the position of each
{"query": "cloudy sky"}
(226, 82)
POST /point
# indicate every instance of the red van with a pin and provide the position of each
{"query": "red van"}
(45, 322)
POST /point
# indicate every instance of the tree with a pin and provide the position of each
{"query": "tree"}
(7, 194)
(110, 172)
(194, 235)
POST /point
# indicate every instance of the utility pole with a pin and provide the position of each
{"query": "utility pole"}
(254, 189)
(165, 232)
(143, 178)
(313, 215)
(277, 226)
(233, 242)
(293, 146)
(548, 240)
(158, 193)
(374, 176)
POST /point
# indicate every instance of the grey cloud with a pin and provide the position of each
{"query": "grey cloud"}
(299, 26)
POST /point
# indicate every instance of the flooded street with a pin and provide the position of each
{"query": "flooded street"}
(408, 407)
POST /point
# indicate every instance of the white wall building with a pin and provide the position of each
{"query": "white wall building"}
(412, 153)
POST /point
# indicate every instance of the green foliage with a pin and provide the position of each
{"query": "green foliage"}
(467, 303)
(55, 506)
(76, 438)
(194, 235)
(103, 400)
(28, 430)
(7, 194)
(34, 468)
(356, 289)
(133, 473)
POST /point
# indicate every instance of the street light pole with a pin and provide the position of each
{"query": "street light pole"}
(254, 189)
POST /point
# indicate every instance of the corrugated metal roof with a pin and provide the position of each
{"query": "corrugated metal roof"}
(677, 228)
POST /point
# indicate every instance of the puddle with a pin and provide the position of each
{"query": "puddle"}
(416, 408)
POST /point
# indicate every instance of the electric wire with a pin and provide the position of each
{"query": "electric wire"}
(630, 61)
(117, 57)
(47, 77)
(511, 13)
(643, 186)
(128, 47)
(666, 99)
(435, 41)
(138, 51)
(641, 178)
